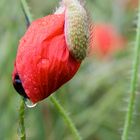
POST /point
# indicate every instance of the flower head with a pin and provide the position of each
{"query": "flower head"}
(105, 40)
(45, 60)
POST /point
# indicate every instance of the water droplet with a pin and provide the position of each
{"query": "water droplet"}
(43, 63)
(29, 104)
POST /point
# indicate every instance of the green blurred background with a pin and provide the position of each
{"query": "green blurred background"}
(95, 99)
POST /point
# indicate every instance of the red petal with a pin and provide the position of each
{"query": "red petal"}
(43, 61)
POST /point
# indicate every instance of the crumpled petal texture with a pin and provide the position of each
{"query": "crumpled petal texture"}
(43, 60)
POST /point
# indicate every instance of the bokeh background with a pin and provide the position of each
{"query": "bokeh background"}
(96, 98)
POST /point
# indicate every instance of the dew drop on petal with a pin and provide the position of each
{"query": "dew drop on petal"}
(29, 104)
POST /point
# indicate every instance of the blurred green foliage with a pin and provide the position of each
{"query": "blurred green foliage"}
(95, 98)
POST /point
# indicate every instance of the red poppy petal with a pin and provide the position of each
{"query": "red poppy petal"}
(43, 61)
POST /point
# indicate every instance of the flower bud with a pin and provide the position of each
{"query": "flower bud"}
(50, 52)
(76, 28)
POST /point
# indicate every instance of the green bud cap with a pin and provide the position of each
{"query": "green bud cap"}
(76, 29)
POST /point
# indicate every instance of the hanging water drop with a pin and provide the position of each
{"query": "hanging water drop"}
(28, 103)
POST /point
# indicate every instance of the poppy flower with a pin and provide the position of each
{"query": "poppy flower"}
(105, 40)
(45, 59)
(132, 4)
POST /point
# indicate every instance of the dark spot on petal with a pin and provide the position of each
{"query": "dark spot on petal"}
(18, 86)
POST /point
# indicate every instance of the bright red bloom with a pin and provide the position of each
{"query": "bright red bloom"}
(43, 61)
(105, 40)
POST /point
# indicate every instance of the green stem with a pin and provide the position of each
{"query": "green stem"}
(53, 100)
(26, 11)
(66, 117)
(134, 80)
(22, 134)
